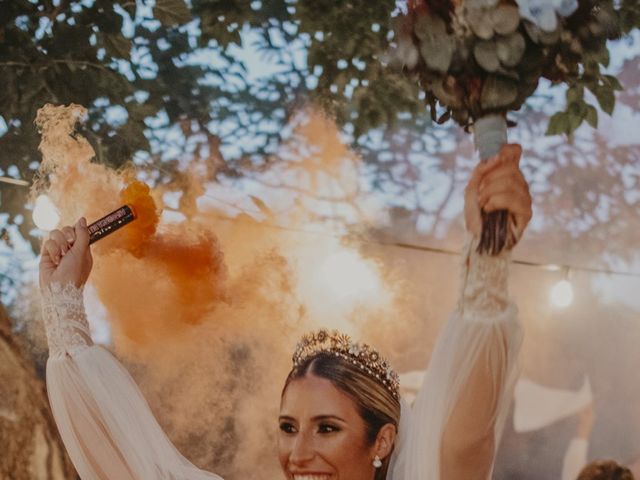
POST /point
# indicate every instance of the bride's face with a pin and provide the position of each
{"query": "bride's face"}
(321, 435)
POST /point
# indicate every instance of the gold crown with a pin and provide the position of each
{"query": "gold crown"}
(341, 345)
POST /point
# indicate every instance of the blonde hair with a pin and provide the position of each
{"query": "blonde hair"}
(376, 405)
(605, 470)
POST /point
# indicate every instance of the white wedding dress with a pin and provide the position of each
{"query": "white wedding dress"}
(111, 433)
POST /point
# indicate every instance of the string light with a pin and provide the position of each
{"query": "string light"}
(443, 251)
(409, 246)
(562, 292)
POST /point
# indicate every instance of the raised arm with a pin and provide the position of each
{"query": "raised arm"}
(460, 409)
(105, 423)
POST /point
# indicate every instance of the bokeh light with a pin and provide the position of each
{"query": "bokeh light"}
(45, 213)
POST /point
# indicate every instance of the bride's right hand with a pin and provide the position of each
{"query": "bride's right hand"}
(66, 256)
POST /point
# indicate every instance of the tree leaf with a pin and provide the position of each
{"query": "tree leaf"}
(606, 99)
(558, 124)
(577, 112)
(613, 82)
(172, 12)
(602, 56)
(575, 94)
(117, 45)
(592, 116)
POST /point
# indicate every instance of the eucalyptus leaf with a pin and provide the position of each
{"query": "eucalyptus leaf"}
(505, 19)
(448, 94)
(510, 49)
(532, 31)
(486, 54)
(429, 26)
(480, 22)
(436, 45)
(498, 93)
(460, 58)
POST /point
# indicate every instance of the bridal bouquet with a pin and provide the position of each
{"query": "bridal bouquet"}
(477, 60)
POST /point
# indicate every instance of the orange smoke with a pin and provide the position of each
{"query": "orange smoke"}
(138, 195)
(154, 293)
(182, 267)
(153, 281)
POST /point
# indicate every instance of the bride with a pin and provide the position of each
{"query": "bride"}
(341, 415)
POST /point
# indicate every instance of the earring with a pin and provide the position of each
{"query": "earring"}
(377, 463)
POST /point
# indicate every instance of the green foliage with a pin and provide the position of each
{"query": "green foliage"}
(111, 57)
(171, 12)
(145, 68)
(614, 20)
(136, 60)
(477, 58)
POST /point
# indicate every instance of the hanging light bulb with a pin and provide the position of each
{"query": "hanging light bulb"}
(45, 214)
(562, 292)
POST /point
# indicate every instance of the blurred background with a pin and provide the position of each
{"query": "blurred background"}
(302, 183)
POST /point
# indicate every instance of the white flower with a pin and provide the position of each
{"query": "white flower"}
(566, 8)
(542, 13)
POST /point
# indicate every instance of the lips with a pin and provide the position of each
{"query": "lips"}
(312, 476)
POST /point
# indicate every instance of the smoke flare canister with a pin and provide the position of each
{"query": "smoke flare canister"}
(110, 223)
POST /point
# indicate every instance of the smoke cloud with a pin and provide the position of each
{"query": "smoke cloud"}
(205, 311)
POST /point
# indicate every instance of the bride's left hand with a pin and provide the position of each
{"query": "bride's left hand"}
(498, 184)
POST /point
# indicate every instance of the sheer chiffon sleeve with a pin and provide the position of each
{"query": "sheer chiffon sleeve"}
(453, 429)
(575, 458)
(105, 423)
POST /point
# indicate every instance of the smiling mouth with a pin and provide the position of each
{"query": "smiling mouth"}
(311, 477)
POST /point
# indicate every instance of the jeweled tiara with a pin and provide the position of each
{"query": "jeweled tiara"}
(341, 345)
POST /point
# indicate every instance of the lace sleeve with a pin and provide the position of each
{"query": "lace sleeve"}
(459, 412)
(65, 320)
(104, 421)
(484, 295)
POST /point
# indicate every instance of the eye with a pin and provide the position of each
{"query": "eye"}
(328, 428)
(287, 427)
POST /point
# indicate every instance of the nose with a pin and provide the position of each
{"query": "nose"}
(302, 450)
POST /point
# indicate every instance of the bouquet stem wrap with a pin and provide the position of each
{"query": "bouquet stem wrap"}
(489, 134)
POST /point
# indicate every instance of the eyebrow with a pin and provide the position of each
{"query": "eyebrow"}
(317, 418)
